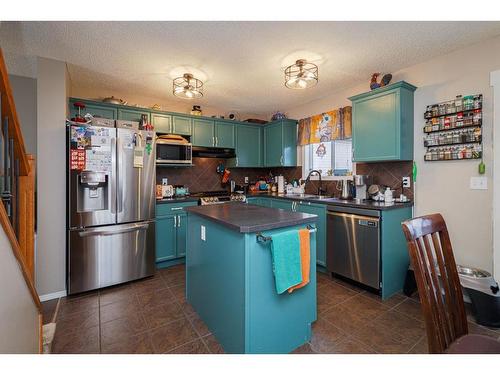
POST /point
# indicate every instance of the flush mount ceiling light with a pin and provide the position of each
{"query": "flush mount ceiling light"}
(301, 75)
(188, 87)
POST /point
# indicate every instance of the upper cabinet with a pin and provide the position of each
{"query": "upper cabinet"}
(280, 144)
(133, 115)
(248, 146)
(162, 123)
(211, 133)
(382, 124)
(203, 132)
(182, 125)
(224, 134)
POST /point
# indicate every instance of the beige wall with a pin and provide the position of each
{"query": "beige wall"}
(51, 177)
(19, 330)
(168, 103)
(444, 186)
(24, 90)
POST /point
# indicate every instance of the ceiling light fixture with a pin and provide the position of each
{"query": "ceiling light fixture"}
(301, 75)
(188, 87)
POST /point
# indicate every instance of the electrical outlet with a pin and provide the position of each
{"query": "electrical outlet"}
(164, 181)
(246, 180)
(479, 183)
(203, 233)
(406, 182)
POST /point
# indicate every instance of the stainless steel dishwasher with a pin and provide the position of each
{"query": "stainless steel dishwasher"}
(353, 244)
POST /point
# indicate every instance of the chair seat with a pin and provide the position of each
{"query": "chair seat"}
(474, 344)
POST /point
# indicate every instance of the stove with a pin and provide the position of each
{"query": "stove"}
(218, 197)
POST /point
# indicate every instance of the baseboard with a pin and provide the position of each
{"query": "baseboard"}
(49, 296)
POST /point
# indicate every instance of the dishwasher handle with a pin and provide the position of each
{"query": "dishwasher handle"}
(354, 216)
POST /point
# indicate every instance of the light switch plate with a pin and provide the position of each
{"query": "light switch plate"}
(479, 183)
(203, 233)
(406, 182)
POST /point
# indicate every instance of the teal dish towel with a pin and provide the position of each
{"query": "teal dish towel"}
(285, 249)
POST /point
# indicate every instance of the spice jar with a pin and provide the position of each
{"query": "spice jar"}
(458, 103)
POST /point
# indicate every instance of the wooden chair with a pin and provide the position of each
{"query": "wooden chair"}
(439, 289)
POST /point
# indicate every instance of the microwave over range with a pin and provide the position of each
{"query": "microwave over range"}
(173, 152)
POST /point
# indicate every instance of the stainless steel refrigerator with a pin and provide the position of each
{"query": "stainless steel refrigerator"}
(111, 204)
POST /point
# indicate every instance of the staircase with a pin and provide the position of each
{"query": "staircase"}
(17, 212)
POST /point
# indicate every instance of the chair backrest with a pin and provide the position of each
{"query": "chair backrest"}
(437, 280)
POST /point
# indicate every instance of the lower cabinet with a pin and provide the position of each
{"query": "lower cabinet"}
(171, 227)
(307, 208)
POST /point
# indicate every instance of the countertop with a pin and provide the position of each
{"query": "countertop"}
(247, 218)
(367, 204)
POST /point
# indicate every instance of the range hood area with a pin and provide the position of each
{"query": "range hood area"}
(213, 152)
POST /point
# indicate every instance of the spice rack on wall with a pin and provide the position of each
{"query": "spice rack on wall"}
(453, 129)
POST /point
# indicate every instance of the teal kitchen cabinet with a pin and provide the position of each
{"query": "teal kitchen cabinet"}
(133, 114)
(280, 144)
(211, 133)
(166, 238)
(283, 204)
(382, 124)
(162, 123)
(171, 240)
(96, 110)
(248, 146)
(320, 211)
(224, 134)
(203, 132)
(182, 125)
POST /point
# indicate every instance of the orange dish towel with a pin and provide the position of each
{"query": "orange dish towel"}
(305, 257)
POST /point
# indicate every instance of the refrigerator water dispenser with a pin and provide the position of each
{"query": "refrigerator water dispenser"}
(92, 191)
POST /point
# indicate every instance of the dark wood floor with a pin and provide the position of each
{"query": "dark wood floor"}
(152, 316)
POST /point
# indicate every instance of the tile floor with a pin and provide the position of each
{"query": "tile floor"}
(152, 316)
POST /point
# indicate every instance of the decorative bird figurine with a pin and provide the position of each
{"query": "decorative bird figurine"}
(383, 82)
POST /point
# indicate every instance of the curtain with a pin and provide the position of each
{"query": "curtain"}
(328, 126)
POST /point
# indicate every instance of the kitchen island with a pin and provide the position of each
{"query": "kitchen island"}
(230, 281)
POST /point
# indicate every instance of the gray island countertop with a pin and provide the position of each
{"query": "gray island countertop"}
(247, 218)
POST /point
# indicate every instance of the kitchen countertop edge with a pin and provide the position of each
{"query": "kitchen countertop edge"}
(295, 218)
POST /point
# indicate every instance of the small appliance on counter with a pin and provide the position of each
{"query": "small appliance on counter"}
(361, 183)
(181, 191)
(345, 187)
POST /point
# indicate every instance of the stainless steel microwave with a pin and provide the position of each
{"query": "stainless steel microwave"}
(172, 152)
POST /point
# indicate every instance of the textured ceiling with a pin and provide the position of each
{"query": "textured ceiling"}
(241, 63)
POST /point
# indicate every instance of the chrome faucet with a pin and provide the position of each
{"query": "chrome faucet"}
(321, 191)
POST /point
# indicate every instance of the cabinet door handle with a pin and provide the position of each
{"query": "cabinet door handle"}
(175, 221)
(281, 160)
(178, 221)
(176, 208)
(236, 161)
(216, 141)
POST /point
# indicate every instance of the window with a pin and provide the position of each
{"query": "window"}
(332, 158)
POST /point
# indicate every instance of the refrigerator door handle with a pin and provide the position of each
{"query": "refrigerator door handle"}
(119, 189)
(109, 232)
(113, 178)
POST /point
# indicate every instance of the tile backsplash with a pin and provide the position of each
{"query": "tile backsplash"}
(204, 177)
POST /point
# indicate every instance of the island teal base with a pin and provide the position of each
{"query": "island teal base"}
(230, 284)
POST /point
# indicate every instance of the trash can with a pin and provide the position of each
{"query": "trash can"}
(482, 291)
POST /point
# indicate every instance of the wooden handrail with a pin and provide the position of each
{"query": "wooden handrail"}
(9, 111)
(23, 214)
